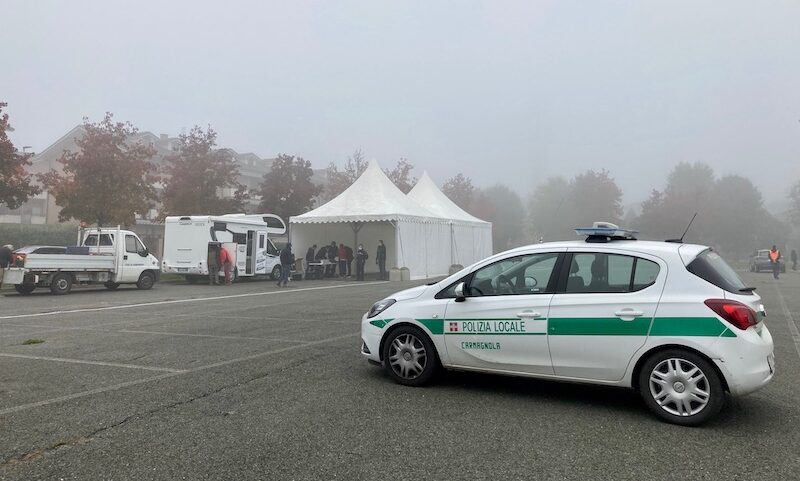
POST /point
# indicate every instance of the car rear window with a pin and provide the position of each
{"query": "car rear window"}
(710, 266)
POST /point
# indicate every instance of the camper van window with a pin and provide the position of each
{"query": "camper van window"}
(271, 249)
(105, 240)
(261, 242)
(240, 238)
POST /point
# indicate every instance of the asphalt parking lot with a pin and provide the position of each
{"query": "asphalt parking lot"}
(256, 382)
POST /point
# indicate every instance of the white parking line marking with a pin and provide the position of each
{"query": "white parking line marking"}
(789, 319)
(115, 387)
(184, 301)
(99, 328)
(93, 363)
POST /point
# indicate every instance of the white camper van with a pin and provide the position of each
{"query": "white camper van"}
(245, 237)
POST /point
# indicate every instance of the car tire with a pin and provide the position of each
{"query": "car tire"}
(276, 273)
(146, 281)
(681, 387)
(61, 284)
(24, 289)
(112, 285)
(409, 356)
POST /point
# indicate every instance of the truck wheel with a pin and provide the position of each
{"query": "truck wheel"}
(146, 281)
(276, 273)
(61, 284)
(112, 285)
(24, 289)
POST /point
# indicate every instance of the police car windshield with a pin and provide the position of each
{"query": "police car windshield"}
(712, 267)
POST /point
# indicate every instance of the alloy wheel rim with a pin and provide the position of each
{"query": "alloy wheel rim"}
(407, 356)
(679, 387)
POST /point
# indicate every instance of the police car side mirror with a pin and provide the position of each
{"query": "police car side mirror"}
(459, 292)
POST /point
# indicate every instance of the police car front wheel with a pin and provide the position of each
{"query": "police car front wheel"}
(681, 387)
(409, 356)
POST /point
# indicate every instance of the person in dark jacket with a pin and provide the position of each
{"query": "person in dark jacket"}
(332, 254)
(287, 258)
(310, 257)
(349, 254)
(342, 256)
(793, 256)
(380, 259)
(5, 259)
(361, 260)
(213, 264)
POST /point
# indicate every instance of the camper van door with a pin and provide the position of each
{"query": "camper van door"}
(241, 259)
(261, 253)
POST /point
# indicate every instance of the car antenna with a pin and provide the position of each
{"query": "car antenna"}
(680, 241)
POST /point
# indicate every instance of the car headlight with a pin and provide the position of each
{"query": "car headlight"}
(380, 306)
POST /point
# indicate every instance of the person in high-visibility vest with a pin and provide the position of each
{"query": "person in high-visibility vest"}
(775, 259)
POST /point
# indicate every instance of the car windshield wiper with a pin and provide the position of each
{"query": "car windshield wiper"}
(747, 289)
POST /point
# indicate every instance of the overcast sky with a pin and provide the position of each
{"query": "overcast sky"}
(508, 92)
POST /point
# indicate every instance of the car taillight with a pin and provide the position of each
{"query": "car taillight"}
(738, 314)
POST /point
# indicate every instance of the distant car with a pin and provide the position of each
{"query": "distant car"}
(23, 252)
(760, 262)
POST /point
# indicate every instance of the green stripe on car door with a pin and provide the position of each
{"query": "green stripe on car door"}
(613, 326)
(597, 326)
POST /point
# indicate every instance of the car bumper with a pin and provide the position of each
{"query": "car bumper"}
(370, 340)
(752, 367)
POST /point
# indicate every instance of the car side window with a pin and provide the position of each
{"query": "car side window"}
(133, 245)
(520, 275)
(645, 274)
(609, 273)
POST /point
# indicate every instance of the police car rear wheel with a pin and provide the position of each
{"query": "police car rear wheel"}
(681, 387)
(410, 357)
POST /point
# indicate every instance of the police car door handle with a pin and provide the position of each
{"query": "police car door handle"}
(628, 314)
(528, 315)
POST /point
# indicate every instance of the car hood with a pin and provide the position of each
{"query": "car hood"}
(407, 294)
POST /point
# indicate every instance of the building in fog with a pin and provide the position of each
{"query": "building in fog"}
(42, 209)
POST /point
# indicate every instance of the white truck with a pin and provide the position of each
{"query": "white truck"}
(187, 240)
(109, 256)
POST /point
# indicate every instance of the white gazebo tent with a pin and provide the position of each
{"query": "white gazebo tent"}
(470, 238)
(373, 209)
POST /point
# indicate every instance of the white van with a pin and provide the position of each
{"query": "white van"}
(187, 240)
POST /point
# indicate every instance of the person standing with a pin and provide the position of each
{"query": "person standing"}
(226, 261)
(286, 264)
(350, 257)
(775, 260)
(5, 259)
(361, 260)
(380, 259)
(310, 258)
(342, 256)
(213, 264)
(332, 251)
(794, 259)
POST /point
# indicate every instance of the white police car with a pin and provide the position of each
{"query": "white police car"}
(671, 320)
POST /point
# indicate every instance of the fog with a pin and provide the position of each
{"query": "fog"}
(510, 92)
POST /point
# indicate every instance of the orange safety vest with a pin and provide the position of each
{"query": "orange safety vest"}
(774, 255)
